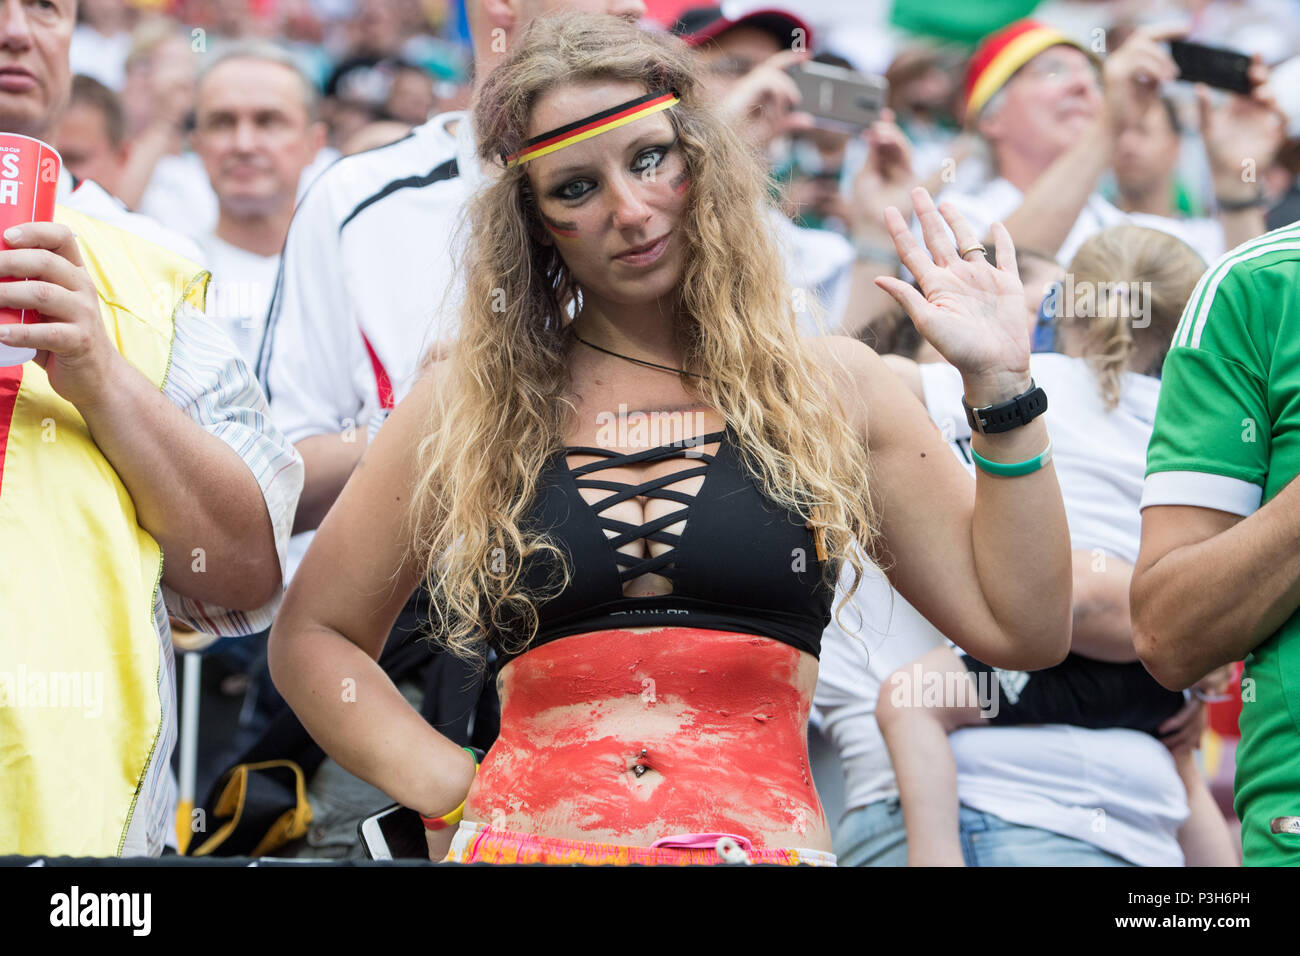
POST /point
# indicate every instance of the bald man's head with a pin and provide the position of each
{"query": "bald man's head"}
(255, 130)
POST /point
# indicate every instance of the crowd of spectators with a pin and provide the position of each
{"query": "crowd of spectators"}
(245, 135)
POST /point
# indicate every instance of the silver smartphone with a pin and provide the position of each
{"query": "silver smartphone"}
(838, 98)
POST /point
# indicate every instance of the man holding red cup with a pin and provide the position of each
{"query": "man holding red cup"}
(135, 431)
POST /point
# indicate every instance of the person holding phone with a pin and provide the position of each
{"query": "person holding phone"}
(1053, 114)
(1146, 157)
(657, 602)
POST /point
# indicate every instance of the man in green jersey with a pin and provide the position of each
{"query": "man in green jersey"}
(1218, 576)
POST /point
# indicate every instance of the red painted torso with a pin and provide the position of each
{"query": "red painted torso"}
(721, 717)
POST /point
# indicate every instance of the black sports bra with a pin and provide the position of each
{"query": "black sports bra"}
(741, 563)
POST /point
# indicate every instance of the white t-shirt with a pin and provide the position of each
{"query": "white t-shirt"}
(1116, 789)
(819, 262)
(369, 281)
(240, 291)
(998, 199)
(91, 198)
(180, 197)
(881, 632)
(100, 57)
(1203, 235)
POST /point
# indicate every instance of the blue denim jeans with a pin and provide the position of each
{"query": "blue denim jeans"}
(987, 840)
(874, 836)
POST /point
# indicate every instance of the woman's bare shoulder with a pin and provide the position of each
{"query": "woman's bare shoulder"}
(395, 449)
(844, 355)
(427, 401)
(859, 377)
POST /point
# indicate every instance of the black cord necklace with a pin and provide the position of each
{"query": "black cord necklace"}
(628, 358)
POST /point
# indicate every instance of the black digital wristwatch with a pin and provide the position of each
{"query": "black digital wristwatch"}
(1021, 410)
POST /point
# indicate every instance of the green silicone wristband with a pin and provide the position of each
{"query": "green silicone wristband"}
(1015, 469)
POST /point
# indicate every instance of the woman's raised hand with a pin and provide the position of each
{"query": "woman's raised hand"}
(971, 311)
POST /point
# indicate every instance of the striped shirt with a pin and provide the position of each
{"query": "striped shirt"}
(212, 384)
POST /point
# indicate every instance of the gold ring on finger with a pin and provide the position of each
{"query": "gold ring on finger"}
(974, 247)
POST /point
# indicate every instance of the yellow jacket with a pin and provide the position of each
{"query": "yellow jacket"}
(80, 713)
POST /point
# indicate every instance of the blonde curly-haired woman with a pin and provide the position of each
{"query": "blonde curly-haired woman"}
(656, 600)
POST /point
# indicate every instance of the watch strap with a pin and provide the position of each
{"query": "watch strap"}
(1240, 205)
(1003, 417)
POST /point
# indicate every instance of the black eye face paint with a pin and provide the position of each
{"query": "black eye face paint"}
(680, 182)
(565, 230)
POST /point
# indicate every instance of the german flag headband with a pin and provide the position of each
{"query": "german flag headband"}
(593, 125)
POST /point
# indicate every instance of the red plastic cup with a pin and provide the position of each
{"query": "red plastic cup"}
(29, 180)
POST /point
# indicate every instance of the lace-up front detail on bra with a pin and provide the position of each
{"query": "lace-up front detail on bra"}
(678, 535)
(660, 533)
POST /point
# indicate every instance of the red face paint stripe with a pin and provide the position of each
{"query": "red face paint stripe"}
(566, 229)
(11, 378)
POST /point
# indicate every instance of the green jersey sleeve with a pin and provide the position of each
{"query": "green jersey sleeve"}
(1210, 444)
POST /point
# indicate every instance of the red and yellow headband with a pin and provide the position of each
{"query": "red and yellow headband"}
(1000, 54)
(593, 125)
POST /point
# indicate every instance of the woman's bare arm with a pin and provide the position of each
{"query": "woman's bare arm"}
(337, 614)
(908, 371)
(987, 562)
(1102, 628)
